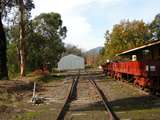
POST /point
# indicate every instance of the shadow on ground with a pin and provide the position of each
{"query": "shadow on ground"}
(136, 103)
(127, 104)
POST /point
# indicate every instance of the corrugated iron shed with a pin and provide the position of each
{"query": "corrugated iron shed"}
(71, 62)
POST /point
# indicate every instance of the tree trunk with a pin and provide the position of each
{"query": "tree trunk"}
(22, 39)
(3, 54)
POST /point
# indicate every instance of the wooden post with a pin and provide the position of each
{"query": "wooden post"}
(34, 90)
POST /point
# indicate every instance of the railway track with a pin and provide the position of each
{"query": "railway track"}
(108, 108)
(72, 94)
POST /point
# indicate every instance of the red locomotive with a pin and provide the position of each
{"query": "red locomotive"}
(143, 71)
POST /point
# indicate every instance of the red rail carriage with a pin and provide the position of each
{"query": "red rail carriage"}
(144, 73)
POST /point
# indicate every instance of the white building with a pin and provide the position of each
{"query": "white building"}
(71, 62)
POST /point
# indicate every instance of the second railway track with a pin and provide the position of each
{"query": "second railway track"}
(108, 108)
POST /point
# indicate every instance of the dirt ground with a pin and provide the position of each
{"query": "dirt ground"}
(16, 95)
(129, 102)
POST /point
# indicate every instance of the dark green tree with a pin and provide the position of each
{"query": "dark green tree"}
(71, 49)
(45, 35)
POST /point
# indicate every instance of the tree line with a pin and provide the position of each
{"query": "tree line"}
(127, 35)
(25, 43)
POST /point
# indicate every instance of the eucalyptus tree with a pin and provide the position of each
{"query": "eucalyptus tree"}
(45, 34)
(6, 6)
(24, 7)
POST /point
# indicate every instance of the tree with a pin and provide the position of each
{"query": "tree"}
(5, 7)
(22, 40)
(45, 35)
(155, 27)
(71, 49)
(124, 36)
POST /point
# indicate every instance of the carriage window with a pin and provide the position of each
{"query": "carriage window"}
(146, 52)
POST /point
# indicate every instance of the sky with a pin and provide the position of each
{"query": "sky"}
(87, 20)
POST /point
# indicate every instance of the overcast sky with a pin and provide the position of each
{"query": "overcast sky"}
(87, 20)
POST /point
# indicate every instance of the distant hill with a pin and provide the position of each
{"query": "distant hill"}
(94, 51)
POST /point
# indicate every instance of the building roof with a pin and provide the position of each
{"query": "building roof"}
(71, 56)
(139, 48)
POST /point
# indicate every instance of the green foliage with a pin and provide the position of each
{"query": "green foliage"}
(124, 36)
(13, 66)
(44, 45)
(155, 27)
(71, 49)
(7, 5)
(45, 37)
(27, 115)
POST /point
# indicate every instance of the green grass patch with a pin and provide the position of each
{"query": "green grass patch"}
(27, 116)
(145, 114)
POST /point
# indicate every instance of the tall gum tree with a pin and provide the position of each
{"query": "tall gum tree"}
(22, 41)
(25, 6)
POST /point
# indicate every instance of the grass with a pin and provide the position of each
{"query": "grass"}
(27, 116)
(39, 112)
(146, 114)
(6, 98)
(40, 78)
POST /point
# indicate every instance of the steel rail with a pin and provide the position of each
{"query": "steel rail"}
(71, 95)
(108, 108)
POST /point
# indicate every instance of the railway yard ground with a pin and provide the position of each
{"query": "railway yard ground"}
(127, 101)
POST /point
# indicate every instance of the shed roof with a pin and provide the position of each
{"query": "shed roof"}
(71, 55)
(139, 48)
(71, 62)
